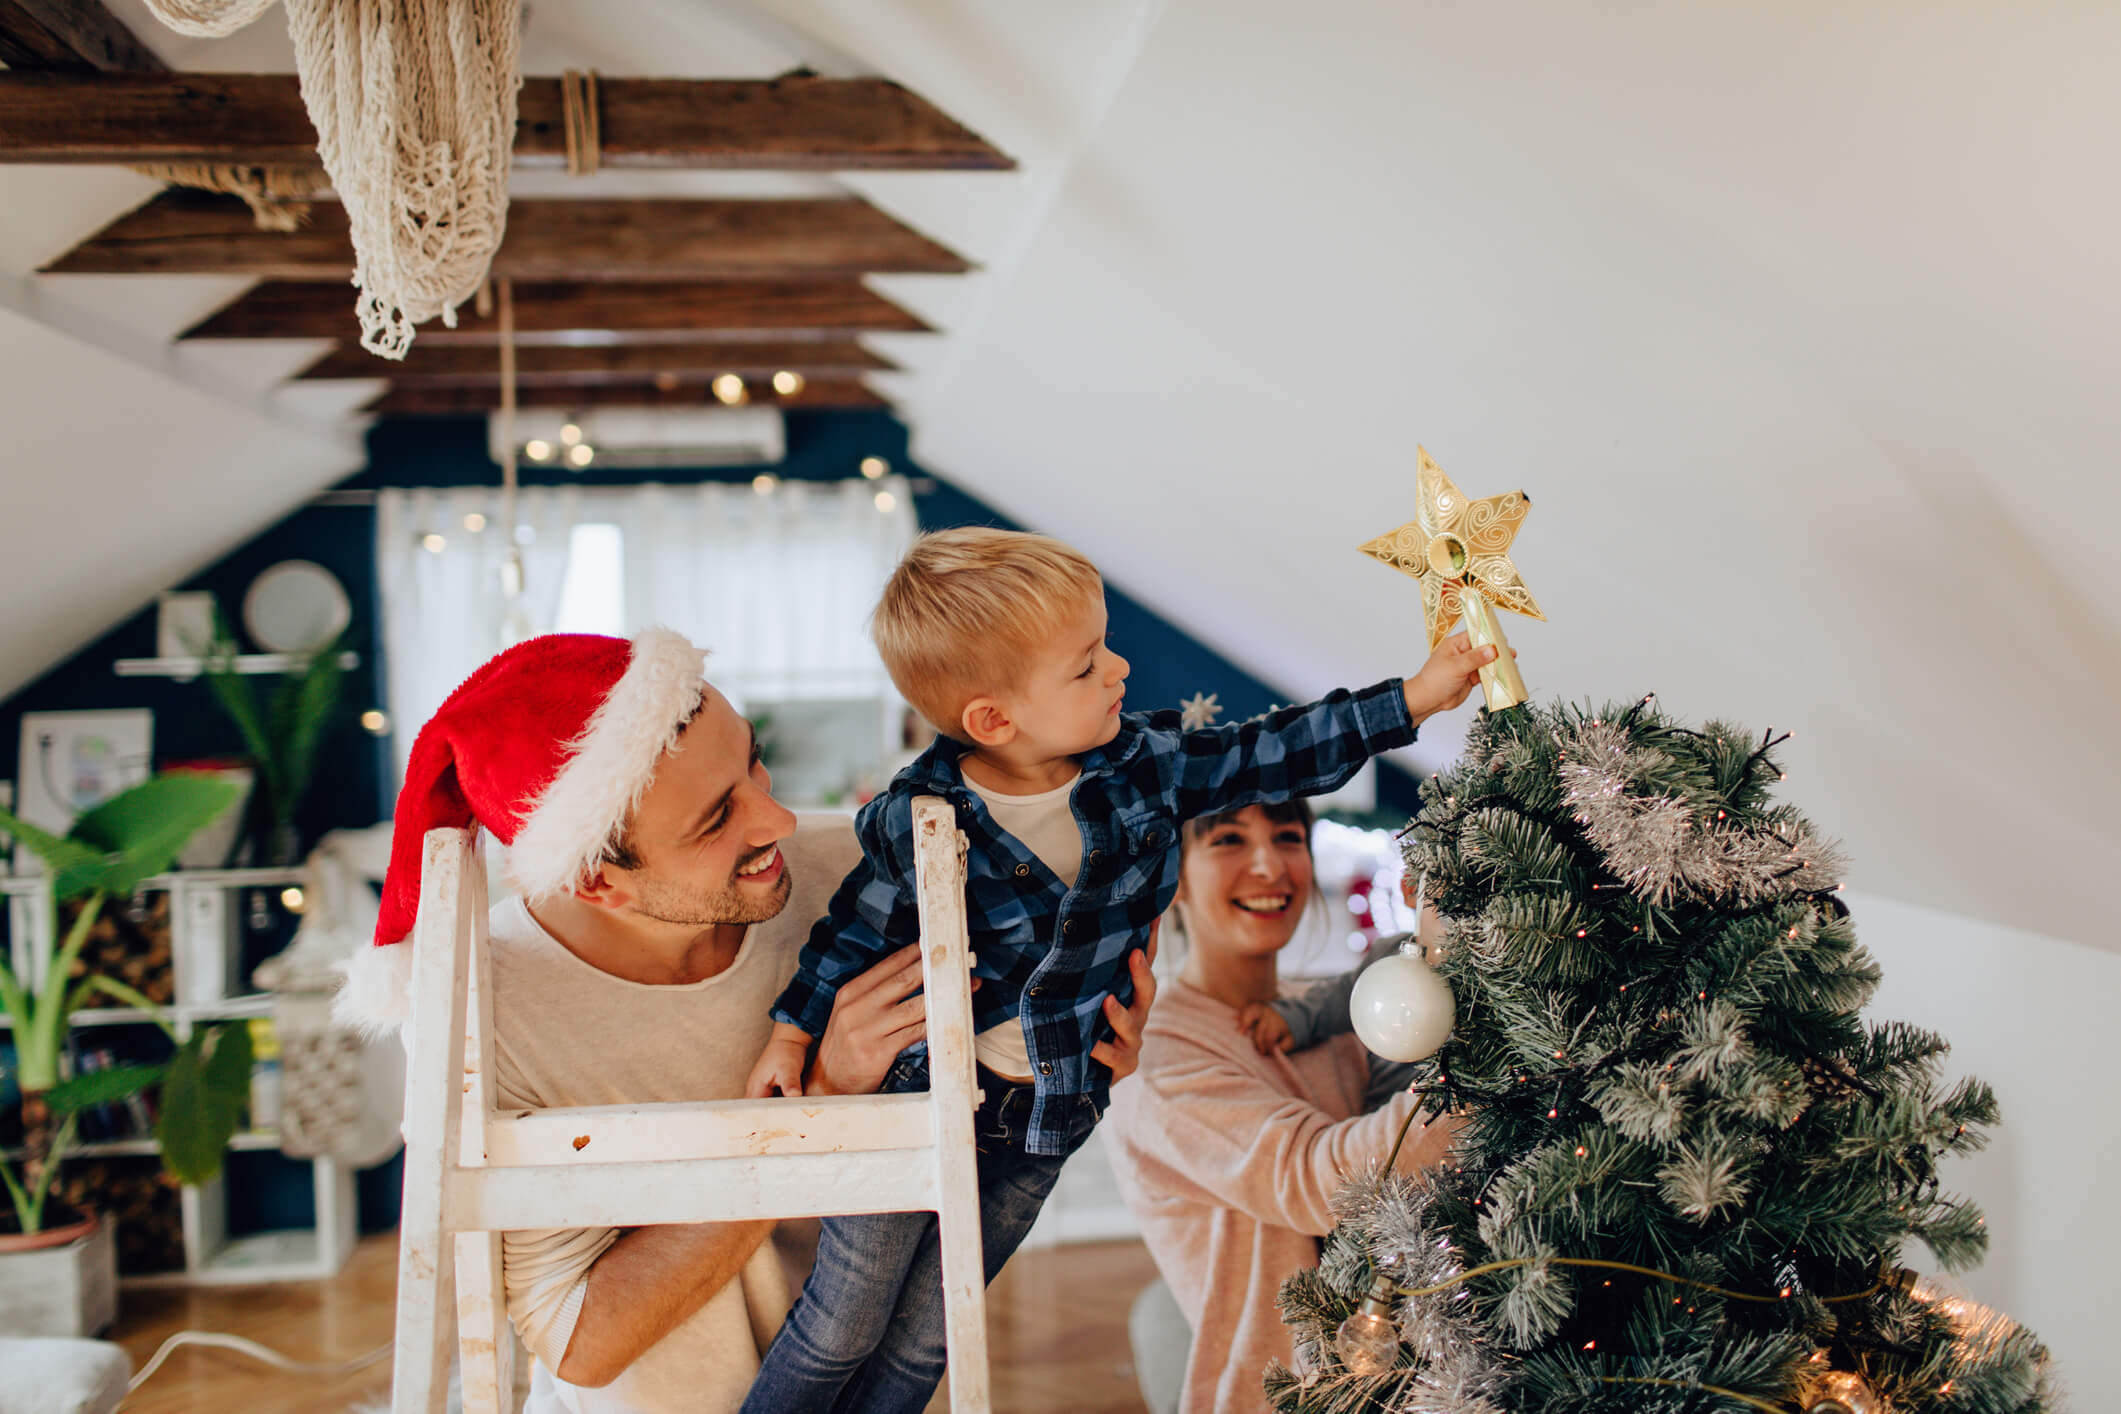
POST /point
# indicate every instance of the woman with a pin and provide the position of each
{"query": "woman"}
(1228, 1157)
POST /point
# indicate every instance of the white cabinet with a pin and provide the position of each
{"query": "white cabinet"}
(206, 960)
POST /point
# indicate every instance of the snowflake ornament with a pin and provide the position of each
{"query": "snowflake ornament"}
(1199, 710)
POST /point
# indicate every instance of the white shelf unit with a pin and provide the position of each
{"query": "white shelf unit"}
(247, 664)
(206, 960)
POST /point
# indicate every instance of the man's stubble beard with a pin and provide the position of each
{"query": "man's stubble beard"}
(732, 904)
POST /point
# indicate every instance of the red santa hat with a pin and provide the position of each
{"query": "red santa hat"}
(549, 747)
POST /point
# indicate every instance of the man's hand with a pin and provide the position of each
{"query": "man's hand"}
(780, 1065)
(874, 1017)
(1451, 673)
(1122, 1054)
(1268, 1028)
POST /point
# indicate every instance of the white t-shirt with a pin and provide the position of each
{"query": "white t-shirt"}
(1046, 824)
(566, 1033)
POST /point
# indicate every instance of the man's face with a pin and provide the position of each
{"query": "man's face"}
(707, 832)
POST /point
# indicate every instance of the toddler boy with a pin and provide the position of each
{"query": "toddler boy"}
(1071, 810)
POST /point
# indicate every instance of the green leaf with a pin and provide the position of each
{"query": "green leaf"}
(140, 830)
(73, 865)
(101, 1087)
(202, 1100)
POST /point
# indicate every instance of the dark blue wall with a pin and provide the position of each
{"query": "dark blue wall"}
(1168, 664)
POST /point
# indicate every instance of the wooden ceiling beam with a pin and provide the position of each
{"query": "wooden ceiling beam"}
(183, 232)
(796, 123)
(77, 41)
(430, 365)
(589, 313)
(430, 401)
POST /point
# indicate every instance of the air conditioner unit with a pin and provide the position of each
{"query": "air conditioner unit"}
(644, 438)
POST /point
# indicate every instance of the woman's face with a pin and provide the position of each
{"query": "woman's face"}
(1244, 883)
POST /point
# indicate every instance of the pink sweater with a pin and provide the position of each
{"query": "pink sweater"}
(1228, 1158)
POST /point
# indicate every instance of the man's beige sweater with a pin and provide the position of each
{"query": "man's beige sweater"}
(568, 1034)
(1228, 1159)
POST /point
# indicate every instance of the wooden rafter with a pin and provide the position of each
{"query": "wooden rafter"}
(69, 38)
(589, 313)
(181, 232)
(797, 123)
(432, 365)
(430, 401)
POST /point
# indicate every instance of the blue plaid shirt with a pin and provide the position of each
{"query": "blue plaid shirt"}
(1044, 950)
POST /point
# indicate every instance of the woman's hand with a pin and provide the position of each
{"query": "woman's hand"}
(1448, 678)
(874, 1017)
(1122, 1054)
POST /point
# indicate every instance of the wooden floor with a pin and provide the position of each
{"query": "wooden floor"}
(1057, 1321)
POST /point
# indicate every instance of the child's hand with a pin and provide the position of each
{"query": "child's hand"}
(780, 1069)
(1451, 673)
(1267, 1027)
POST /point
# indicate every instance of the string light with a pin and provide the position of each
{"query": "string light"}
(873, 468)
(764, 483)
(729, 389)
(434, 543)
(581, 454)
(375, 722)
(787, 384)
(885, 501)
(291, 899)
(538, 449)
(570, 434)
(474, 522)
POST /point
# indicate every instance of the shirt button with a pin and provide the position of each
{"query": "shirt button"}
(1045, 1067)
(1156, 837)
(1067, 925)
(1035, 990)
(1023, 871)
(1095, 855)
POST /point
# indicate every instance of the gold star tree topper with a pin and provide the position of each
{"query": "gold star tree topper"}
(1459, 550)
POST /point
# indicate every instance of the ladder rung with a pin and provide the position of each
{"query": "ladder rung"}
(773, 1186)
(613, 1134)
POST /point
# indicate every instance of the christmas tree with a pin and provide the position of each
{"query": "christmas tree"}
(1689, 1166)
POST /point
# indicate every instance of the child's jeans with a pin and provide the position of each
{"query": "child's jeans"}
(867, 1333)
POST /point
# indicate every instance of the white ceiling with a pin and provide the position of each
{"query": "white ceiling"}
(1799, 323)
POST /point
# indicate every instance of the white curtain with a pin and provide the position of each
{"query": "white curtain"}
(778, 586)
(443, 610)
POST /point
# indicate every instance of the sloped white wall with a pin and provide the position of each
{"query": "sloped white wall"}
(116, 482)
(2037, 1018)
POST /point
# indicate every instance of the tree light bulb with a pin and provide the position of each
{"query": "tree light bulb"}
(1367, 1342)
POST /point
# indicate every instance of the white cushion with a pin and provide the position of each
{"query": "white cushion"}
(41, 1376)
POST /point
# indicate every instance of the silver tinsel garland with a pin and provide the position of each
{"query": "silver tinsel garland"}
(1661, 849)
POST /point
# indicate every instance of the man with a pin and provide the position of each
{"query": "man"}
(652, 931)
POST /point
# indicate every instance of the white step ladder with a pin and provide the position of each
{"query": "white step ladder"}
(472, 1172)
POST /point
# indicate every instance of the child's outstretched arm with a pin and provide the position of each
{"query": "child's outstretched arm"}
(1316, 748)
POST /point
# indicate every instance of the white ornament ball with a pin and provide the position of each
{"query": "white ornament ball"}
(1401, 1008)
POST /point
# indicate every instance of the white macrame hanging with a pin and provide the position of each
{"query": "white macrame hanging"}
(414, 102)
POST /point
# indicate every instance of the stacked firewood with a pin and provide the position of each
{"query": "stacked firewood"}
(137, 1194)
(130, 942)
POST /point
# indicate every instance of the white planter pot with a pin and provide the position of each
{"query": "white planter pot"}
(68, 1290)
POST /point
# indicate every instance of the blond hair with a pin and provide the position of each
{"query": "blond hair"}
(967, 607)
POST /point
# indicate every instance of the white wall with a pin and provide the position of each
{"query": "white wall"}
(2036, 1018)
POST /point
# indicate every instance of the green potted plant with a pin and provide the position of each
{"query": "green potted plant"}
(282, 729)
(46, 1253)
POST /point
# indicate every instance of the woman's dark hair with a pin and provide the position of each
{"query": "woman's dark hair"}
(1283, 812)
